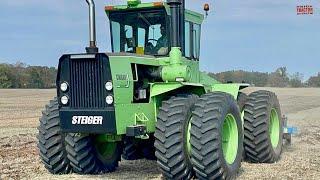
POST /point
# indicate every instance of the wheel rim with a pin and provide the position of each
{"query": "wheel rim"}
(274, 129)
(230, 139)
(188, 137)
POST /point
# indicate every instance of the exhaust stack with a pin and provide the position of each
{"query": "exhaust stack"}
(175, 7)
(177, 20)
(92, 28)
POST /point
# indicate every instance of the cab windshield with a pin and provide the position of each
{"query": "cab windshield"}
(140, 32)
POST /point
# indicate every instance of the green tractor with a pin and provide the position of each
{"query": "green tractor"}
(148, 99)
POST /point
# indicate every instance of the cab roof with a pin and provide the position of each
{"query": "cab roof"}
(189, 15)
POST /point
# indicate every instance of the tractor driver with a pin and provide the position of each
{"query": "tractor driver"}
(161, 47)
(162, 43)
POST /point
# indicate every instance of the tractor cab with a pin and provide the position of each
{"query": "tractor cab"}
(146, 29)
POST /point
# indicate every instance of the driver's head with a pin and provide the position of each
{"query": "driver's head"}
(163, 29)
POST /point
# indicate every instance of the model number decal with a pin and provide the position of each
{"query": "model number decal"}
(121, 77)
(87, 120)
(123, 81)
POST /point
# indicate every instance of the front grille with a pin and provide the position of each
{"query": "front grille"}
(87, 83)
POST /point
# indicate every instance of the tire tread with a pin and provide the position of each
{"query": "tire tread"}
(51, 143)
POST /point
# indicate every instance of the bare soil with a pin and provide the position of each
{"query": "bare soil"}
(21, 109)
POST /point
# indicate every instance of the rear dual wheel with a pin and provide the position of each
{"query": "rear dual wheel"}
(216, 137)
(89, 155)
(263, 128)
(134, 148)
(131, 149)
(204, 135)
(241, 100)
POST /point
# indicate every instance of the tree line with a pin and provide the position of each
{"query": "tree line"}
(278, 78)
(20, 75)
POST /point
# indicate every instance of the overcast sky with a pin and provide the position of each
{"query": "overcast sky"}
(253, 35)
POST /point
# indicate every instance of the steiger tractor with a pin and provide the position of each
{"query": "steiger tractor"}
(148, 99)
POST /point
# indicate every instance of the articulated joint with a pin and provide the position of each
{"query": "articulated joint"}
(176, 71)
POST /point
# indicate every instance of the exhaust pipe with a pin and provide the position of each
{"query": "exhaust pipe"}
(182, 25)
(92, 28)
(177, 8)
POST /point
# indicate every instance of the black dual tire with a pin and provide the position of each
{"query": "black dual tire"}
(147, 148)
(134, 148)
(257, 124)
(131, 149)
(85, 157)
(172, 153)
(206, 136)
(241, 100)
(63, 153)
(51, 141)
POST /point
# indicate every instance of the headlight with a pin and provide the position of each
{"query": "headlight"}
(64, 86)
(109, 86)
(64, 100)
(109, 100)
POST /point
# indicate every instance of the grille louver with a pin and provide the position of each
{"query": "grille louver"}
(87, 83)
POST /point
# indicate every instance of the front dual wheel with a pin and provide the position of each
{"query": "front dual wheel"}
(199, 136)
(63, 153)
(172, 137)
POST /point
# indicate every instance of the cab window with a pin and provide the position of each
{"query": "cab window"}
(192, 40)
(196, 41)
(143, 32)
(116, 36)
(154, 34)
(187, 48)
(129, 45)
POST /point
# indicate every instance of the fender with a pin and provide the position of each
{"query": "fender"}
(232, 88)
(162, 88)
